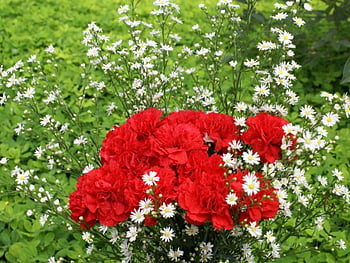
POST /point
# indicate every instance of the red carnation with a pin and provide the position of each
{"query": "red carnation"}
(184, 116)
(265, 135)
(134, 136)
(203, 196)
(106, 194)
(218, 129)
(173, 142)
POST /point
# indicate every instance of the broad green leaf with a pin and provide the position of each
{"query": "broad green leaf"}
(346, 73)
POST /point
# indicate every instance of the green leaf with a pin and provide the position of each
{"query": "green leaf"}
(5, 238)
(49, 237)
(346, 73)
(23, 252)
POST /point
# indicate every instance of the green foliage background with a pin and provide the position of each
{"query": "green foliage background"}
(29, 26)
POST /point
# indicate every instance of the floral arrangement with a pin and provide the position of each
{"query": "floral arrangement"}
(210, 159)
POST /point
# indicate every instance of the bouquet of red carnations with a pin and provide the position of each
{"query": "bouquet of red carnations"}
(199, 166)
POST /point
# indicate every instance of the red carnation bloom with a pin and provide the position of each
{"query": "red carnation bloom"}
(166, 186)
(106, 194)
(203, 196)
(265, 135)
(173, 142)
(218, 129)
(262, 205)
(184, 116)
(79, 209)
(134, 136)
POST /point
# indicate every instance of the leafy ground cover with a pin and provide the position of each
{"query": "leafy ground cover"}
(30, 26)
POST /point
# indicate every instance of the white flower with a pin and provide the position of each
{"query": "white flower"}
(195, 27)
(322, 131)
(132, 233)
(291, 129)
(202, 52)
(227, 158)
(307, 141)
(103, 229)
(269, 236)
(231, 199)
(3, 98)
(206, 247)
(218, 53)
(338, 174)
(275, 250)
(329, 119)
(29, 93)
(322, 180)
(161, 3)
(280, 16)
(39, 152)
(341, 244)
(254, 230)
(3, 160)
(50, 49)
(319, 223)
(29, 212)
(45, 120)
(51, 260)
(167, 234)
(246, 249)
(236, 231)
(89, 249)
(146, 205)
(235, 145)
(250, 157)
(298, 21)
(233, 63)
(299, 176)
(303, 200)
(137, 216)
(43, 219)
(167, 210)
(290, 53)
(93, 52)
(280, 6)
(224, 2)
(191, 230)
(307, 7)
(262, 90)
(166, 47)
(251, 63)
(80, 140)
(64, 127)
(240, 106)
(88, 168)
(174, 255)
(123, 9)
(87, 237)
(266, 45)
(339, 189)
(285, 38)
(251, 184)
(23, 177)
(114, 235)
(150, 178)
(281, 195)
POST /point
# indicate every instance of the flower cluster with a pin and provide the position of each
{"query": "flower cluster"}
(190, 185)
(198, 165)
(185, 158)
